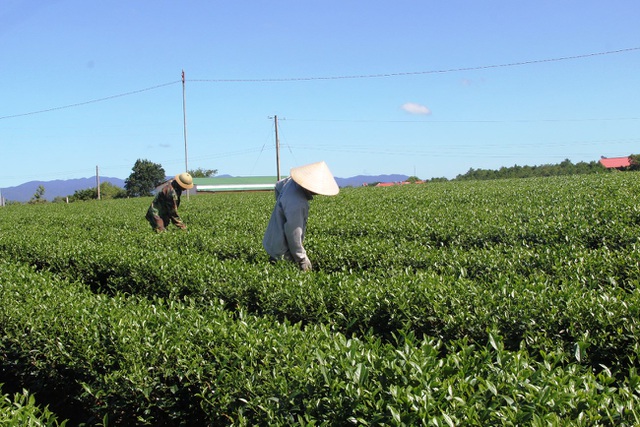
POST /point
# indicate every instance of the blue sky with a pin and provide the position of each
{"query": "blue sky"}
(426, 88)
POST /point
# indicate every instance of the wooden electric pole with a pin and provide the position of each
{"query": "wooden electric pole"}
(275, 119)
(184, 121)
(98, 182)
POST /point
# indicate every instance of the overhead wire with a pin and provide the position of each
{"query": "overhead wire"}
(93, 101)
(342, 77)
(483, 150)
(283, 139)
(415, 73)
(259, 154)
(361, 76)
(430, 121)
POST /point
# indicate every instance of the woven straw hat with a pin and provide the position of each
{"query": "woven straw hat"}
(317, 178)
(184, 180)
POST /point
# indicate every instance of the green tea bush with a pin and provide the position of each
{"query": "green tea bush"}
(133, 361)
(527, 288)
(22, 410)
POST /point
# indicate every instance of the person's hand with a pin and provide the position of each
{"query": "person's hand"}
(305, 264)
(159, 225)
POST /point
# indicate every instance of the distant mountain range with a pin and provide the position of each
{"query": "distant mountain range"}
(360, 180)
(62, 188)
(52, 189)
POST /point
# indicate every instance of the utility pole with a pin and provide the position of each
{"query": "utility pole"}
(275, 120)
(184, 120)
(98, 182)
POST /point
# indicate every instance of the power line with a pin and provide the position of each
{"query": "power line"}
(484, 150)
(428, 121)
(93, 101)
(414, 73)
(344, 77)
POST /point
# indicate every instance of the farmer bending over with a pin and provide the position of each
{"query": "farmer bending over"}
(285, 231)
(164, 208)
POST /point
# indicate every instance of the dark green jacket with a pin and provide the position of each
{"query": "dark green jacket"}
(164, 208)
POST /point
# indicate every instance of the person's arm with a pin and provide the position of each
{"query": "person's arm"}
(294, 229)
(172, 210)
(154, 218)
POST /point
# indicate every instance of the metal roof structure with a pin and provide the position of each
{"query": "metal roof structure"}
(230, 184)
(615, 162)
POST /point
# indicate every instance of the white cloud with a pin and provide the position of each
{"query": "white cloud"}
(413, 108)
(469, 82)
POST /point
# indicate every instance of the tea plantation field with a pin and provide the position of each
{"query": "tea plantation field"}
(503, 303)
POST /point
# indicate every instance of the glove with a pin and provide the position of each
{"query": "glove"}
(305, 264)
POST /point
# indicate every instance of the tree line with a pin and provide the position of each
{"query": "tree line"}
(566, 167)
(146, 176)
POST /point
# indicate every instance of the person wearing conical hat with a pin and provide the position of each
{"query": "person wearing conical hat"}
(284, 236)
(164, 207)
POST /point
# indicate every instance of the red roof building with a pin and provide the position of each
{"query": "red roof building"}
(615, 162)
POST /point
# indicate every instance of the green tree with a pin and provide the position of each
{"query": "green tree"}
(110, 191)
(38, 196)
(634, 159)
(84, 194)
(145, 177)
(203, 173)
(566, 167)
(107, 191)
(59, 199)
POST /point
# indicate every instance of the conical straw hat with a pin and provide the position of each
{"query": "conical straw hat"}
(317, 178)
(184, 180)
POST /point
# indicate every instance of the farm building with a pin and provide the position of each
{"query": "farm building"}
(231, 184)
(615, 162)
